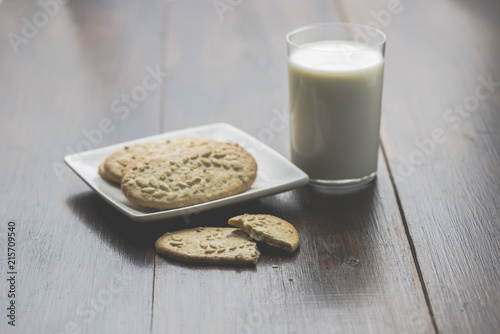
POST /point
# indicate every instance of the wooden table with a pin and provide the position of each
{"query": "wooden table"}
(417, 252)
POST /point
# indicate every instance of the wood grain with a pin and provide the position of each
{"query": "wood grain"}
(438, 53)
(353, 271)
(82, 266)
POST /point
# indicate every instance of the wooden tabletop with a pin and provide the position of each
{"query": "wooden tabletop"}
(416, 252)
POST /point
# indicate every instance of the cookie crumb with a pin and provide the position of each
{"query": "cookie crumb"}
(290, 279)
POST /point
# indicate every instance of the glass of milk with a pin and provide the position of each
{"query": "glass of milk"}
(335, 75)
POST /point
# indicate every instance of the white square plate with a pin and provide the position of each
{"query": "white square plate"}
(275, 173)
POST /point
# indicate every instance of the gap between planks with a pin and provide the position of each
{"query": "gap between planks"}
(165, 12)
(410, 239)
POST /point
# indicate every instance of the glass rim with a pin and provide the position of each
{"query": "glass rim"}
(336, 24)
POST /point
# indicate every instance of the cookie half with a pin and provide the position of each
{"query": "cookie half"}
(216, 245)
(269, 229)
(115, 164)
(168, 182)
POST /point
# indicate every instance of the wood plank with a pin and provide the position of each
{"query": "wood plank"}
(82, 266)
(353, 272)
(230, 63)
(438, 54)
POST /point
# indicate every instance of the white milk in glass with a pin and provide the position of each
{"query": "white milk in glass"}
(335, 100)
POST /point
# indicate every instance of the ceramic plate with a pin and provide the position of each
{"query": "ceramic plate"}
(275, 173)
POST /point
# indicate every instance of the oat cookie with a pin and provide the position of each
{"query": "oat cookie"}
(269, 229)
(219, 245)
(117, 161)
(190, 177)
(102, 173)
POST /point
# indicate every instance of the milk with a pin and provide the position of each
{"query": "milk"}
(335, 100)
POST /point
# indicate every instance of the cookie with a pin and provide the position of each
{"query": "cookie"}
(117, 161)
(191, 177)
(209, 245)
(102, 173)
(269, 229)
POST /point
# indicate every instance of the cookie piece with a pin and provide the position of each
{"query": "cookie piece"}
(269, 229)
(117, 161)
(168, 182)
(219, 245)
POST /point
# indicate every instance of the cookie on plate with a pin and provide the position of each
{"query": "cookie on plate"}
(102, 173)
(216, 245)
(272, 230)
(114, 164)
(190, 177)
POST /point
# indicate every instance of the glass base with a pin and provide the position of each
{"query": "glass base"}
(347, 184)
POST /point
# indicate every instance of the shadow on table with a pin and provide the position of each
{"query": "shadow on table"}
(133, 238)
